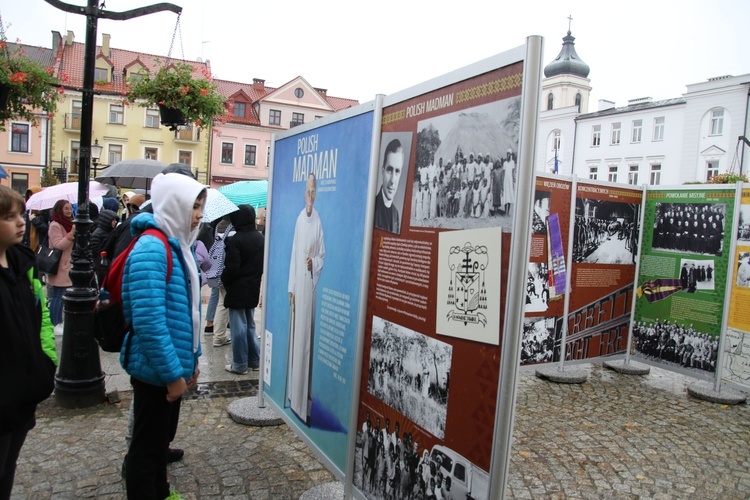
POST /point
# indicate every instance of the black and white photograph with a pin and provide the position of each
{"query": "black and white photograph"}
(410, 372)
(390, 463)
(696, 275)
(541, 340)
(537, 288)
(541, 212)
(395, 149)
(465, 172)
(677, 344)
(743, 270)
(606, 232)
(696, 228)
(743, 230)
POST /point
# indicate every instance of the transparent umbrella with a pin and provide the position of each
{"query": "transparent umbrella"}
(47, 197)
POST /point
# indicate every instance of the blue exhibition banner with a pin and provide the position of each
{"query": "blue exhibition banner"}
(319, 199)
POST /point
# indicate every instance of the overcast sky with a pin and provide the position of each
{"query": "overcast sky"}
(359, 49)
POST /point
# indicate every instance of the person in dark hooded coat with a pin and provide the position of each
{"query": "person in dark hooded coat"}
(243, 269)
(104, 226)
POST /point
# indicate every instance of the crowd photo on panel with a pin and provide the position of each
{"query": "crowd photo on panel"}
(689, 227)
(676, 343)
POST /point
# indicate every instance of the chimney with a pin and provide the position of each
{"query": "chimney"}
(322, 92)
(259, 84)
(605, 105)
(105, 44)
(56, 41)
(69, 38)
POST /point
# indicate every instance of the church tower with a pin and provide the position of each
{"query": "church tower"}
(566, 81)
(565, 95)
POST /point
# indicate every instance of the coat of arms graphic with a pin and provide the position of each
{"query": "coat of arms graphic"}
(467, 292)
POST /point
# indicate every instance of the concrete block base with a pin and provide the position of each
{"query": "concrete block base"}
(246, 411)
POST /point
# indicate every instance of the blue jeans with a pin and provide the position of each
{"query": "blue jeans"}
(56, 304)
(245, 349)
(213, 301)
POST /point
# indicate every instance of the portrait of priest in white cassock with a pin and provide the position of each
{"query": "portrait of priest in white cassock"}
(305, 266)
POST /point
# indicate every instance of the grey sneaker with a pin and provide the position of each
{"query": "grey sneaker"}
(219, 343)
(229, 369)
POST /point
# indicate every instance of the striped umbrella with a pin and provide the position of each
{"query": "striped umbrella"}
(247, 192)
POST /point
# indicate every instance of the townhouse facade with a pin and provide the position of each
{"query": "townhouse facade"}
(24, 146)
(241, 147)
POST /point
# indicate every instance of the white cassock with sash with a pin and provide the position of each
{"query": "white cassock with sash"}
(308, 242)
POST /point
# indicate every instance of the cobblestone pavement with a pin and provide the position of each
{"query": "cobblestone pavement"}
(615, 436)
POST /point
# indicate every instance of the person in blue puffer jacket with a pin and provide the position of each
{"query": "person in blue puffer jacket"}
(161, 351)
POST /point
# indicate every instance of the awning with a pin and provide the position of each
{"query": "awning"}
(3, 173)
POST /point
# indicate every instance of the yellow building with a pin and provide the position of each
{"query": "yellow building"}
(124, 131)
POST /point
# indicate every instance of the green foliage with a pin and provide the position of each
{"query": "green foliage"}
(48, 177)
(30, 86)
(173, 86)
(727, 178)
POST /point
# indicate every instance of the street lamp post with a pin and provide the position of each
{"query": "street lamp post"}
(79, 381)
(96, 153)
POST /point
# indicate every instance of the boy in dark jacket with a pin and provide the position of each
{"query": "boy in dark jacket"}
(243, 268)
(27, 343)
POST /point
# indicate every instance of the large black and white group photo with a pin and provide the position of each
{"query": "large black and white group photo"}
(410, 372)
(465, 167)
(676, 344)
(605, 232)
(689, 227)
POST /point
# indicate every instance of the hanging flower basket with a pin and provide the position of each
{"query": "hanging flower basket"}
(27, 88)
(175, 87)
(171, 117)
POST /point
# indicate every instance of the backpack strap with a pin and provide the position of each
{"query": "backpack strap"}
(163, 238)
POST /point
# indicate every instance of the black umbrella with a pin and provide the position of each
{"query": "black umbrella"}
(132, 173)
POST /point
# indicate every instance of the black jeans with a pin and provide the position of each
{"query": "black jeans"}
(154, 428)
(10, 448)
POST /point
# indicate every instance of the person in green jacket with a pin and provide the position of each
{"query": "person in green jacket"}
(27, 342)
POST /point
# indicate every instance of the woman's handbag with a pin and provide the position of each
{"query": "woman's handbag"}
(48, 259)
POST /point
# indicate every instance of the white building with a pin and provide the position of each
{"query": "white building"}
(669, 142)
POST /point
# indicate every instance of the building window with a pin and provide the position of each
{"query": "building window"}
(274, 117)
(633, 175)
(637, 131)
(596, 135)
(655, 174)
(250, 154)
(19, 182)
(268, 156)
(151, 153)
(239, 109)
(299, 93)
(712, 168)
(717, 121)
(550, 101)
(186, 158)
(297, 119)
(659, 128)
(152, 118)
(556, 141)
(75, 148)
(227, 152)
(593, 172)
(578, 101)
(19, 142)
(101, 75)
(116, 114)
(612, 173)
(616, 134)
(115, 153)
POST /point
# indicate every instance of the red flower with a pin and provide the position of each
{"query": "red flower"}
(50, 70)
(18, 77)
(204, 91)
(185, 90)
(60, 90)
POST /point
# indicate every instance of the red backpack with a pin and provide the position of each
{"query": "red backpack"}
(110, 326)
